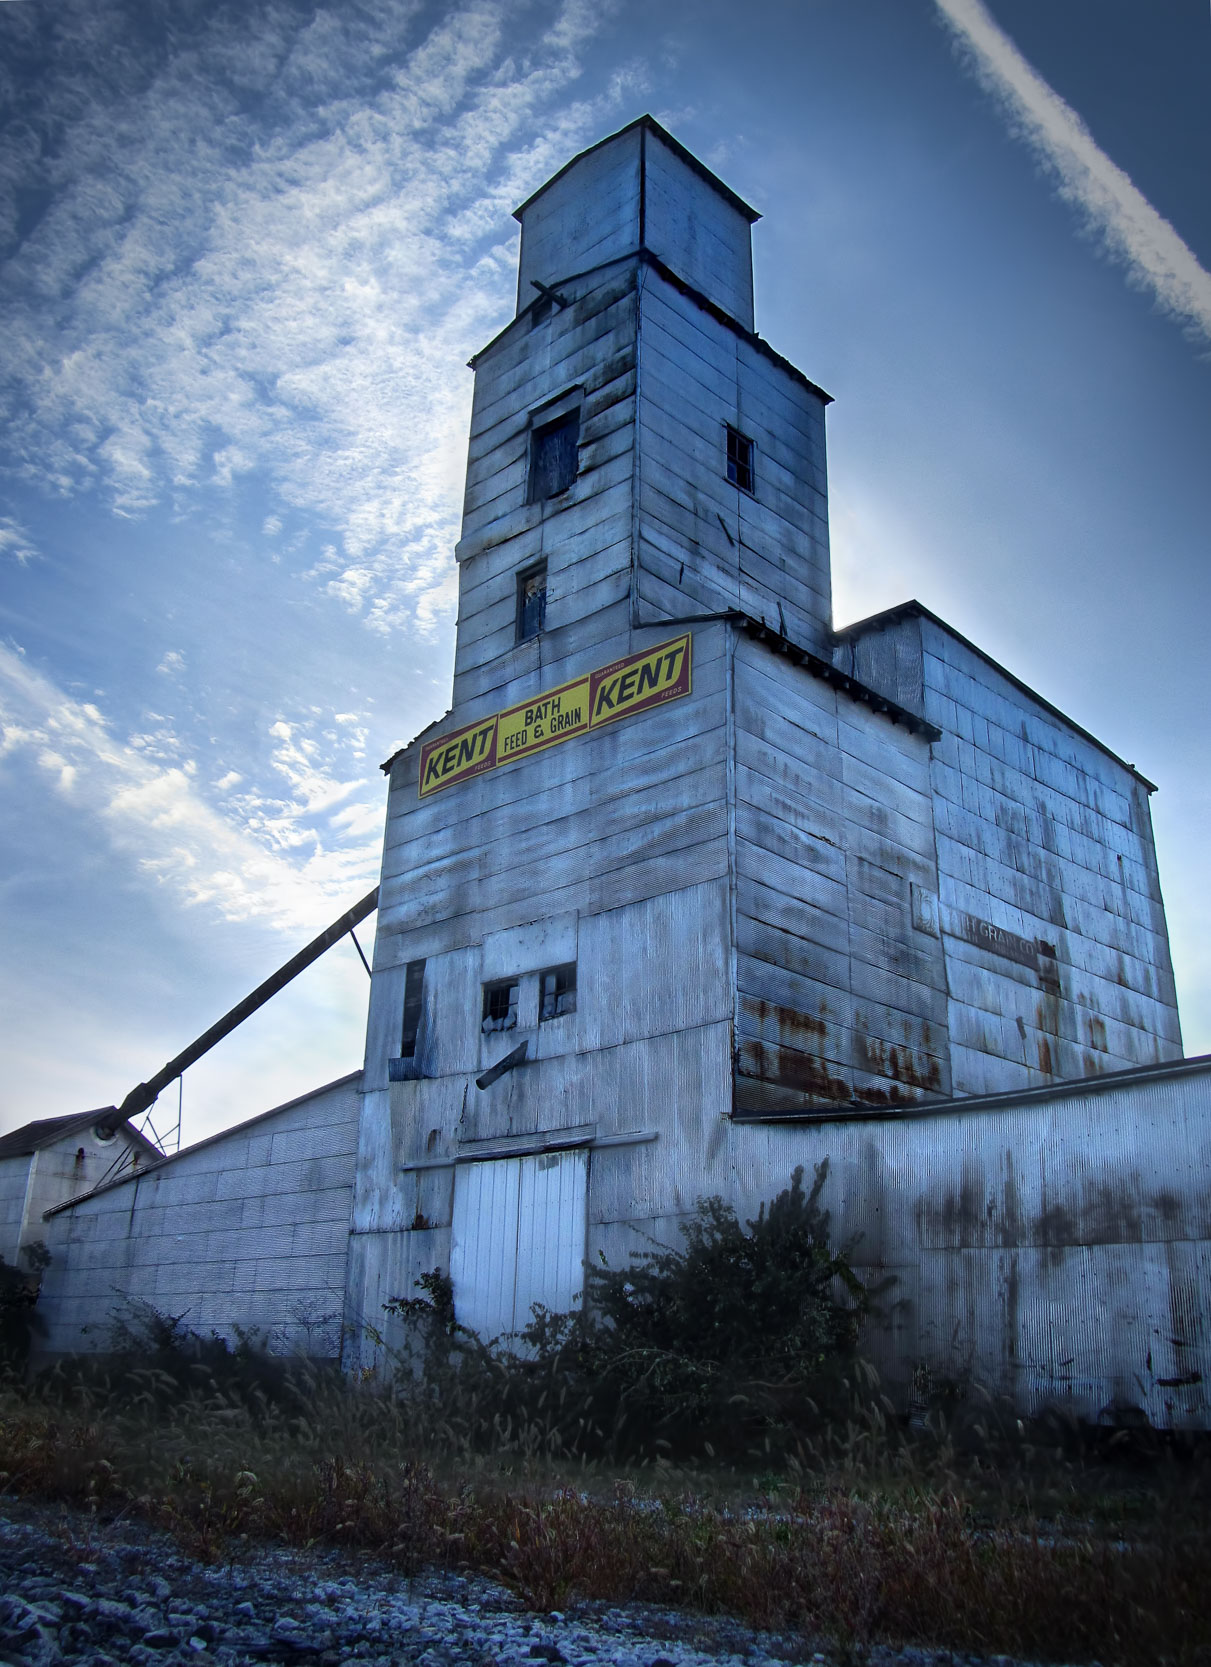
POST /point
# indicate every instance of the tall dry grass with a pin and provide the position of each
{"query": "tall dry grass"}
(869, 1535)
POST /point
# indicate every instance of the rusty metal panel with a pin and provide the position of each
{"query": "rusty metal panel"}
(824, 876)
(1043, 839)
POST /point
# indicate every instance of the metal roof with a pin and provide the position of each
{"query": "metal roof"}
(44, 1131)
(675, 145)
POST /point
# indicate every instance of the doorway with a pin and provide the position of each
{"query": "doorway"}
(518, 1238)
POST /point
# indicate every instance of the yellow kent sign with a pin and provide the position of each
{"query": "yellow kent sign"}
(634, 684)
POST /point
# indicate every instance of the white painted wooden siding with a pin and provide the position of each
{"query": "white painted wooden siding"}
(518, 1239)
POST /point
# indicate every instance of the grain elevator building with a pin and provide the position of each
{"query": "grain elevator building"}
(682, 864)
(688, 888)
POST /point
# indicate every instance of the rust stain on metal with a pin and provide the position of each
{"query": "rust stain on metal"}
(793, 1069)
(902, 1065)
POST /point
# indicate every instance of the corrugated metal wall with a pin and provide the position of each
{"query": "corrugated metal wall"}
(249, 1229)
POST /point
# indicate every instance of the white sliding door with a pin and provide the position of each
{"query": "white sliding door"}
(518, 1238)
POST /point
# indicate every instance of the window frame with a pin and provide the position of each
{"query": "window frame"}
(520, 633)
(491, 1023)
(566, 971)
(740, 455)
(542, 428)
(414, 1007)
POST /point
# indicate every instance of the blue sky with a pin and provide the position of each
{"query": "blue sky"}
(246, 252)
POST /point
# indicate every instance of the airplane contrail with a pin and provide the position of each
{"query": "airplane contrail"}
(1113, 208)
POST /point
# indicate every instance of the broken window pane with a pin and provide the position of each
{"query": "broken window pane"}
(557, 991)
(554, 455)
(739, 459)
(531, 602)
(500, 1006)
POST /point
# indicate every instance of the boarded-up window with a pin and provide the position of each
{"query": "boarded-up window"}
(739, 459)
(518, 1238)
(531, 602)
(557, 992)
(554, 454)
(414, 990)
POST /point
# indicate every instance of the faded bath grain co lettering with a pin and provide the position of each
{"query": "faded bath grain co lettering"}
(634, 684)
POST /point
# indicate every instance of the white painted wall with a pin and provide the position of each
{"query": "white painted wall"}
(246, 1230)
(14, 1181)
(1052, 1246)
(62, 1168)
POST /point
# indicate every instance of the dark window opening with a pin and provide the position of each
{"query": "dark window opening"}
(739, 459)
(557, 992)
(541, 310)
(414, 989)
(531, 602)
(554, 457)
(500, 1006)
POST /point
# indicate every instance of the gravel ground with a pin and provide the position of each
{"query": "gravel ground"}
(72, 1590)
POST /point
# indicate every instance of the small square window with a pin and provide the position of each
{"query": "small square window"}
(739, 459)
(500, 1006)
(557, 992)
(531, 602)
(554, 457)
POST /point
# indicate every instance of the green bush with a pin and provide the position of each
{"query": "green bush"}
(744, 1337)
(19, 1292)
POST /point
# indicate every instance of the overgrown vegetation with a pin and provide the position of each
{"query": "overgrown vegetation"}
(744, 1339)
(20, 1321)
(818, 1512)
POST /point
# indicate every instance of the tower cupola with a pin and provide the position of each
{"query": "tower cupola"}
(640, 189)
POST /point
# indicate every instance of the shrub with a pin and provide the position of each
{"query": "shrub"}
(741, 1337)
(19, 1292)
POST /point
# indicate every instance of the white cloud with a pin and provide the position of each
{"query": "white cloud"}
(214, 290)
(172, 663)
(1113, 209)
(288, 862)
(15, 541)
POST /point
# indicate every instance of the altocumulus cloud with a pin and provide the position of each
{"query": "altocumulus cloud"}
(265, 238)
(1114, 210)
(290, 861)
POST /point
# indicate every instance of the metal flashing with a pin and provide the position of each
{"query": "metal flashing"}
(408, 745)
(828, 673)
(528, 1146)
(855, 1111)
